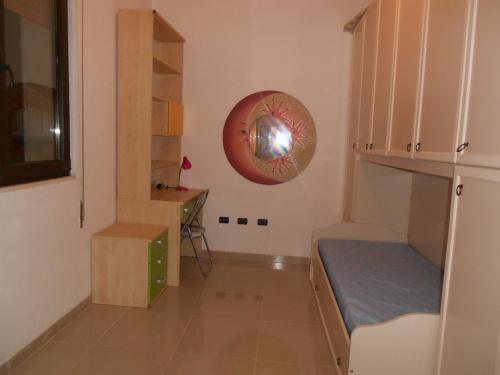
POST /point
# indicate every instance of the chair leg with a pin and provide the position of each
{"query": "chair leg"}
(210, 256)
(196, 254)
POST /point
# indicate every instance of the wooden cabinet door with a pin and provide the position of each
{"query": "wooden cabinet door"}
(384, 75)
(407, 79)
(471, 307)
(357, 65)
(482, 128)
(368, 76)
(443, 79)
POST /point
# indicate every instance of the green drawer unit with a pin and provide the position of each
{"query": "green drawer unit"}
(129, 264)
(186, 209)
(157, 266)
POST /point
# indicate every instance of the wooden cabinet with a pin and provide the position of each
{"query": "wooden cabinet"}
(368, 76)
(357, 60)
(384, 76)
(407, 76)
(129, 264)
(167, 118)
(471, 306)
(443, 79)
(482, 126)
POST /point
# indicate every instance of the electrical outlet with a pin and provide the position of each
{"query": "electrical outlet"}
(242, 221)
(263, 222)
(223, 220)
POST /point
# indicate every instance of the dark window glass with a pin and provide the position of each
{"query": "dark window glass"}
(34, 119)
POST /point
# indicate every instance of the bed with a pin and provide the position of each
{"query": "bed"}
(379, 300)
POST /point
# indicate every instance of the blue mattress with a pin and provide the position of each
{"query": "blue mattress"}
(378, 281)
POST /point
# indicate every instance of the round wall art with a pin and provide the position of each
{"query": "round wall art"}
(269, 137)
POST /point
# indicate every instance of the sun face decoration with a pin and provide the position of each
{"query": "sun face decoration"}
(269, 137)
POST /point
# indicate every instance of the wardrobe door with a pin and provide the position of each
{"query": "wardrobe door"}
(357, 64)
(443, 79)
(384, 75)
(471, 307)
(482, 128)
(368, 76)
(407, 79)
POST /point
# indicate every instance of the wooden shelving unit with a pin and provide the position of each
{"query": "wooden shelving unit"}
(150, 126)
(150, 97)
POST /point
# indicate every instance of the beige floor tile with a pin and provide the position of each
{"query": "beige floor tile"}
(285, 286)
(146, 330)
(53, 359)
(230, 305)
(294, 344)
(190, 274)
(244, 279)
(223, 337)
(209, 365)
(290, 310)
(267, 368)
(177, 302)
(107, 361)
(90, 324)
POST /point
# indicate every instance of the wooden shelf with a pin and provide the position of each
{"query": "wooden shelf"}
(157, 97)
(163, 32)
(158, 164)
(162, 67)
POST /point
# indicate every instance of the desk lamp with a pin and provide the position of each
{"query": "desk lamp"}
(186, 164)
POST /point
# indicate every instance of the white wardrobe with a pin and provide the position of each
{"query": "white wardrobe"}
(426, 97)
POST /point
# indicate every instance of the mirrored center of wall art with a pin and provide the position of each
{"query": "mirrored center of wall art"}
(269, 137)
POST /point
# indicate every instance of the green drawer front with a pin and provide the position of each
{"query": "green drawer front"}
(155, 287)
(186, 209)
(158, 248)
(157, 267)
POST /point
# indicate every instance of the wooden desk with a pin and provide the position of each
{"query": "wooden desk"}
(172, 195)
(164, 208)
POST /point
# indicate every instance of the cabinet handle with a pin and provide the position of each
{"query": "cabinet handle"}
(459, 190)
(339, 362)
(160, 281)
(316, 287)
(462, 147)
(159, 242)
(418, 146)
(408, 147)
(366, 146)
(160, 260)
(354, 145)
(371, 146)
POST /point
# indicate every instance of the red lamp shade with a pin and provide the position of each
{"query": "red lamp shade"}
(186, 164)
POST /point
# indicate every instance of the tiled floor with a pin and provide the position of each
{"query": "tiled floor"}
(249, 317)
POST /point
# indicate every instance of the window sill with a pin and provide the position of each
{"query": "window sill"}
(31, 185)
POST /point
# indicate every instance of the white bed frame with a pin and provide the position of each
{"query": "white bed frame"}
(406, 345)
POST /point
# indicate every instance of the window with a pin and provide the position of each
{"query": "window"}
(34, 94)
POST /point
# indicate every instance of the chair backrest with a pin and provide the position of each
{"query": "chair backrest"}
(198, 205)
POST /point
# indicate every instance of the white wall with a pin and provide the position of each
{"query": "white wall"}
(235, 48)
(44, 256)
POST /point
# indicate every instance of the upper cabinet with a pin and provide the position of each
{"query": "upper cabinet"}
(481, 131)
(430, 86)
(368, 76)
(409, 51)
(388, 13)
(444, 76)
